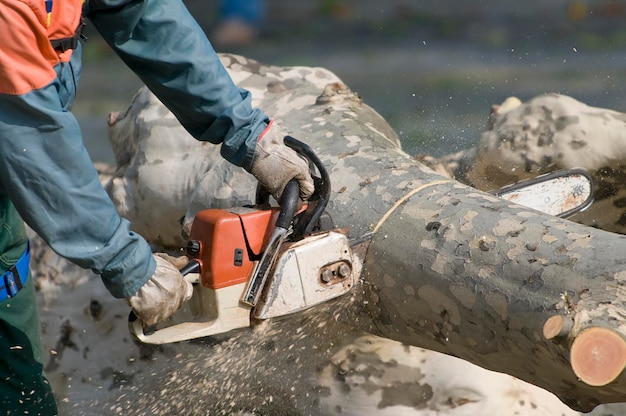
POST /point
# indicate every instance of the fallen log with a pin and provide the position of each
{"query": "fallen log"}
(449, 268)
(454, 269)
(461, 272)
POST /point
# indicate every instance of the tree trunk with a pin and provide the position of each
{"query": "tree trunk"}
(454, 269)
(461, 272)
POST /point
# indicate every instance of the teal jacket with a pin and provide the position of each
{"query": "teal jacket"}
(48, 174)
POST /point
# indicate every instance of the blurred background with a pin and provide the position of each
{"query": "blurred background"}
(432, 68)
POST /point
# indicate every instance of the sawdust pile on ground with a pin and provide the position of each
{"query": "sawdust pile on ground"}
(268, 370)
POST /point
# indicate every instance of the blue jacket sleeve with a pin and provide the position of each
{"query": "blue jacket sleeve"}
(162, 43)
(47, 173)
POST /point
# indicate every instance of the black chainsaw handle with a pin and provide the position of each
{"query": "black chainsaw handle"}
(288, 204)
(318, 201)
(290, 198)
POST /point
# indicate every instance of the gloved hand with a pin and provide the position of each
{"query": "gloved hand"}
(275, 164)
(163, 294)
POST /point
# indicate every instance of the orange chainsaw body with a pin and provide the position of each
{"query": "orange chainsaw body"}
(230, 241)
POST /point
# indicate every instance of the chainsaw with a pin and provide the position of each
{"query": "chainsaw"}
(259, 262)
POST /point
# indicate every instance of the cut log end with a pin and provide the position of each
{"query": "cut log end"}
(557, 326)
(598, 356)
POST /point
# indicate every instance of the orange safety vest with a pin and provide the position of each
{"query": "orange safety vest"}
(27, 56)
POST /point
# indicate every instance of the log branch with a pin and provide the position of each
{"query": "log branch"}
(557, 326)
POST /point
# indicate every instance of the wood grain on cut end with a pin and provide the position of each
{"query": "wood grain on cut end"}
(598, 356)
(556, 326)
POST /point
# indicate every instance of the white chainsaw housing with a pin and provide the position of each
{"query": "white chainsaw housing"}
(306, 273)
(311, 271)
(208, 312)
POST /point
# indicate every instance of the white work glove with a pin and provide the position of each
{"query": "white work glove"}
(163, 294)
(275, 164)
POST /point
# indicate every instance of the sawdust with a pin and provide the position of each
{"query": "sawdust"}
(270, 369)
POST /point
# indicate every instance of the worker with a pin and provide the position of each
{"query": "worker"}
(48, 181)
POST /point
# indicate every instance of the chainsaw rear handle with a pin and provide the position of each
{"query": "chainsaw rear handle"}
(192, 267)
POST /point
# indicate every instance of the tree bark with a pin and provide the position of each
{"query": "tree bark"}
(457, 272)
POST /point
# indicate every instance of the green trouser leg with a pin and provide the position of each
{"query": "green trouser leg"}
(24, 389)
